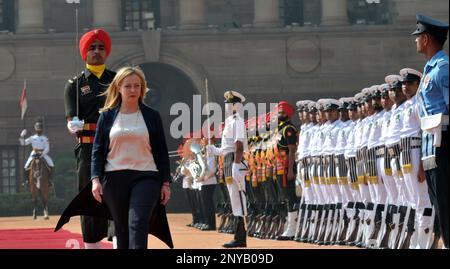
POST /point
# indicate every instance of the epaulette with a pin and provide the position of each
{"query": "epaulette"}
(442, 63)
(287, 126)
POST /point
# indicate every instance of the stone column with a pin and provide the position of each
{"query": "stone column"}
(334, 12)
(31, 16)
(267, 13)
(406, 11)
(106, 14)
(192, 14)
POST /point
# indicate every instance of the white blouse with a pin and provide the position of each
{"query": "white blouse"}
(129, 147)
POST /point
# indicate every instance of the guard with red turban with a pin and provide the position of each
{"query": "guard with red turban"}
(286, 148)
(83, 99)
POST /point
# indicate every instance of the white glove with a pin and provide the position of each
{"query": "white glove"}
(75, 125)
(23, 133)
(213, 150)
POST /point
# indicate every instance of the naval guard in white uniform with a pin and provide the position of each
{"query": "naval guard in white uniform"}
(234, 143)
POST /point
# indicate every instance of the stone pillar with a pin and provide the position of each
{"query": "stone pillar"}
(267, 13)
(406, 11)
(31, 16)
(192, 14)
(106, 14)
(334, 12)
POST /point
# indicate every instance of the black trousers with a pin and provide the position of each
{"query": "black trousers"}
(198, 206)
(287, 193)
(438, 187)
(190, 198)
(208, 206)
(131, 197)
(94, 229)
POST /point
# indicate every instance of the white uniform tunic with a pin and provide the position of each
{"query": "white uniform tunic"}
(386, 120)
(359, 128)
(366, 130)
(375, 130)
(350, 147)
(342, 135)
(38, 143)
(303, 140)
(411, 120)
(313, 149)
(233, 131)
(396, 124)
(392, 137)
(331, 137)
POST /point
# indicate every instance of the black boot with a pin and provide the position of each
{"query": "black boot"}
(409, 230)
(240, 237)
(378, 216)
(384, 244)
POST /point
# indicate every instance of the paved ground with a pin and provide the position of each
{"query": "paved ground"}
(183, 237)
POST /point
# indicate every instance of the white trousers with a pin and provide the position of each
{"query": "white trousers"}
(400, 184)
(417, 192)
(46, 158)
(380, 189)
(365, 194)
(389, 185)
(317, 190)
(306, 190)
(235, 196)
(344, 189)
(326, 192)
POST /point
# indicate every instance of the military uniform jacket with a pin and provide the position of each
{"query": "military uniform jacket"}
(287, 135)
(89, 89)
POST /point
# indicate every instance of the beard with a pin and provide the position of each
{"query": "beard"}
(282, 118)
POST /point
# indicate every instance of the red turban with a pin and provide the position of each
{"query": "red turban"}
(88, 38)
(286, 107)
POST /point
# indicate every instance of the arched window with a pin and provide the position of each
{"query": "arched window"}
(140, 14)
(7, 15)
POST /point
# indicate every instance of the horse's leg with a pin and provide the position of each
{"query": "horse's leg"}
(33, 193)
(45, 189)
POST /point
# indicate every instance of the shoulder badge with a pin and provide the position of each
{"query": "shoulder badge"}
(426, 81)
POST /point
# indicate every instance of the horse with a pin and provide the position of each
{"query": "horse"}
(38, 177)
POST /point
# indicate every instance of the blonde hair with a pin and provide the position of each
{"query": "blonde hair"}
(113, 97)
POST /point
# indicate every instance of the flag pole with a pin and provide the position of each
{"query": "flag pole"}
(24, 126)
(207, 108)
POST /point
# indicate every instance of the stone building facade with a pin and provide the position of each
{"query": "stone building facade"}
(269, 49)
